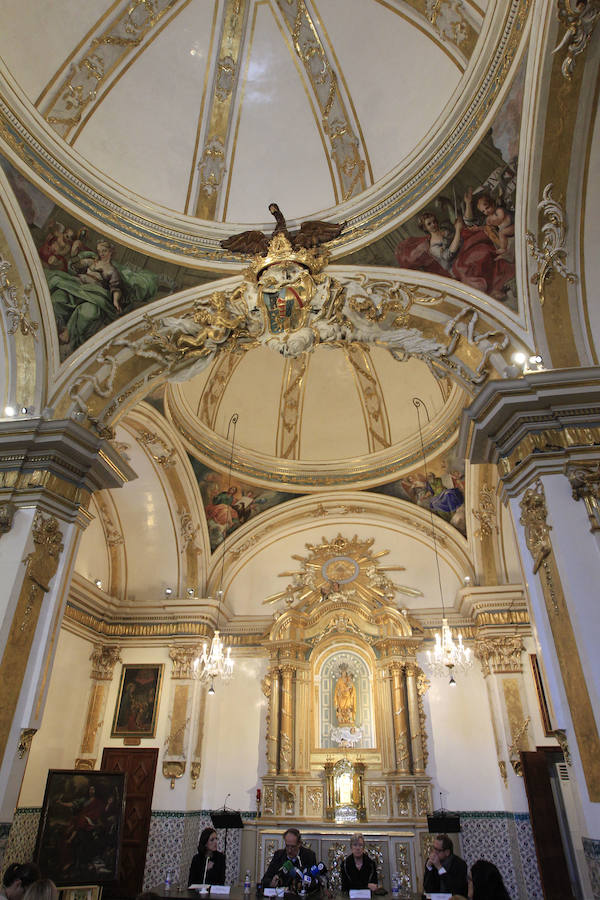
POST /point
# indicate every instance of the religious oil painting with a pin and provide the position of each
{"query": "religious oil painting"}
(229, 504)
(467, 231)
(79, 834)
(440, 487)
(91, 279)
(137, 705)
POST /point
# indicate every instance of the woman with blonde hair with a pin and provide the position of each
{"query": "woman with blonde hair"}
(358, 870)
(42, 889)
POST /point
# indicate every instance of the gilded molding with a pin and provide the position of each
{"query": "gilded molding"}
(449, 21)
(212, 164)
(16, 307)
(347, 152)
(579, 18)
(486, 513)
(551, 256)
(85, 763)
(499, 654)
(533, 520)
(188, 532)
(99, 60)
(223, 368)
(585, 485)
(149, 440)
(290, 407)
(104, 658)
(373, 402)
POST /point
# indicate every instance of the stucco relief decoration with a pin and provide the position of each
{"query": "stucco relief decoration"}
(114, 537)
(16, 307)
(41, 563)
(182, 659)
(211, 167)
(551, 256)
(500, 654)
(7, 514)
(448, 19)
(533, 519)
(486, 513)
(585, 485)
(579, 18)
(151, 441)
(188, 531)
(104, 659)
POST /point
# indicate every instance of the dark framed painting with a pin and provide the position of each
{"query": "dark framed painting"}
(137, 703)
(79, 835)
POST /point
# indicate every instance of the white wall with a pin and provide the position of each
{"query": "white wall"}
(462, 753)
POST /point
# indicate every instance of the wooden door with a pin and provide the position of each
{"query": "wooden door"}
(140, 768)
(554, 873)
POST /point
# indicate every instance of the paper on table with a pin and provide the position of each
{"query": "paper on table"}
(364, 894)
(219, 889)
(439, 896)
(199, 887)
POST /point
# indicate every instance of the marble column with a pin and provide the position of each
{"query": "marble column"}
(48, 471)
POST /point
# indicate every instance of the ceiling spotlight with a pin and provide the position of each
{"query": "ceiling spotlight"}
(190, 592)
(168, 592)
(452, 682)
(98, 583)
(519, 359)
(10, 411)
(24, 410)
(467, 579)
(211, 689)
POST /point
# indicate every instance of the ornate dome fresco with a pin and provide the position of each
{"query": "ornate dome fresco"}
(177, 108)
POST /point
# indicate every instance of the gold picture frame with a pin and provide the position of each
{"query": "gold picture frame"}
(80, 892)
(138, 701)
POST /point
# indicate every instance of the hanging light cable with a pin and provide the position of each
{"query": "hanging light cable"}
(447, 655)
(216, 662)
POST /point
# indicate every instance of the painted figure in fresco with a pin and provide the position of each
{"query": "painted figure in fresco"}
(499, 223)
(89, 289)
(462, 251)
(345, 699)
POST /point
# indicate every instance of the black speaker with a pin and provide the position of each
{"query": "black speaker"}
(443, 823)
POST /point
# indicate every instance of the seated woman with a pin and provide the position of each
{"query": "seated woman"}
(485, 882)
(358, 870)
(208, 865)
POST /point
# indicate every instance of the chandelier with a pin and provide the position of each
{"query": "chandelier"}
(447, 655)
(216, 661)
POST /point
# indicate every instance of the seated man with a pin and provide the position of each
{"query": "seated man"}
(286, 863)
(444, 872)
(17, 878)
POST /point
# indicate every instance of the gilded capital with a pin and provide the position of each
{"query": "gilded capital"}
(500, 654)
(533, 519)
(7, 511)
(104, 658)
(183, 659)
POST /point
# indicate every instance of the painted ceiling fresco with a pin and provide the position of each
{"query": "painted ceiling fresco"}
(467, 231)
(92, 280)
(440, 487)
(229, 503)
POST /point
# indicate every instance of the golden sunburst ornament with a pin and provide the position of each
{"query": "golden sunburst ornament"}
(338, 569)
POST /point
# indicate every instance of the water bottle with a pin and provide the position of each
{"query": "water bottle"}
(247, 883)
(395, 885)
(168, 881)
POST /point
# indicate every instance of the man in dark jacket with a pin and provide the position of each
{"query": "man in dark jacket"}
(444, 872)
(286, 863)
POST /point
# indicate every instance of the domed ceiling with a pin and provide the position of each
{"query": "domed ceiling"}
(212, 110)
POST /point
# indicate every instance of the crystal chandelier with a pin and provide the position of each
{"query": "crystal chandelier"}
(216, 661)
(447, 655)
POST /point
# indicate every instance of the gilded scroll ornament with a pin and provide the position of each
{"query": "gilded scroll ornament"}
(519, 738)
(85, 763)
(195, 774)
(173, 769)
(486, 513)
(25, 739)
(151, 441)
(533, 519)
(551, 257)
(561, 736)
(104, 658)
(188, 532)
(585, 485)
(15, 307)
(500, 654)
(579, 18)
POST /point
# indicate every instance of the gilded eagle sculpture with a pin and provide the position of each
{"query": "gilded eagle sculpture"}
(310, 235)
